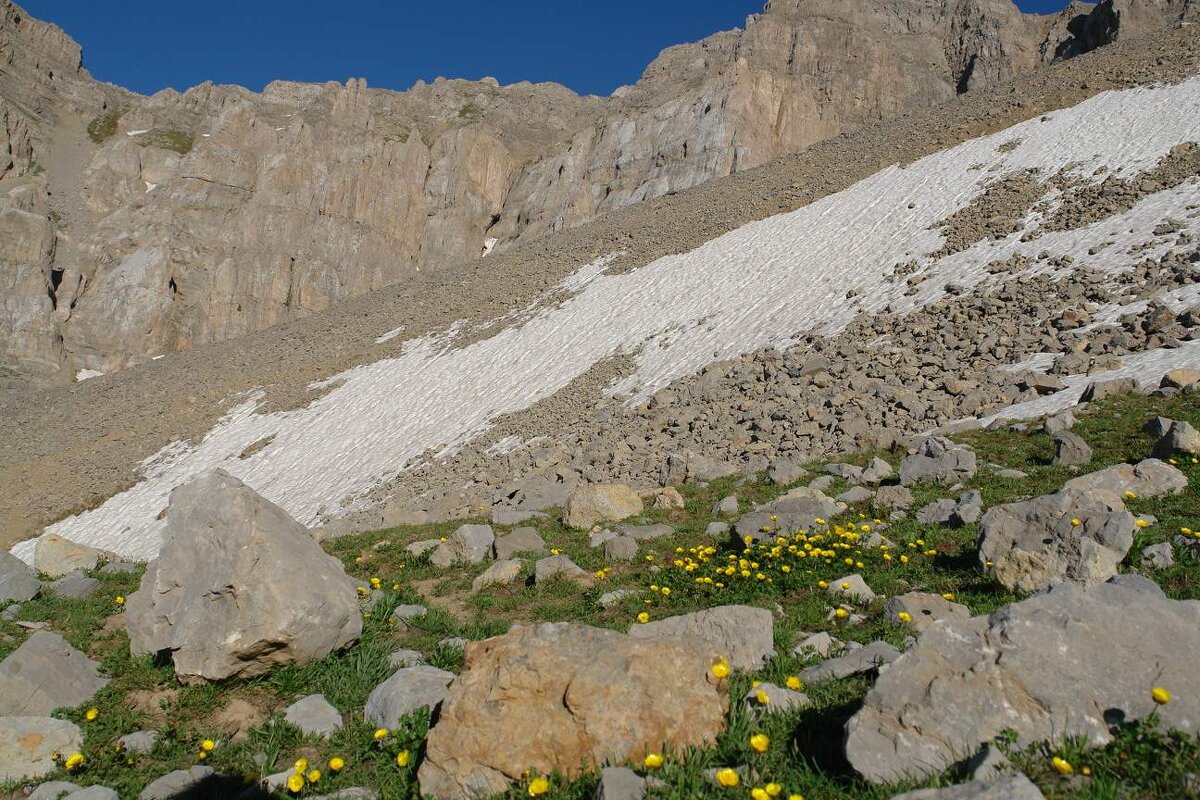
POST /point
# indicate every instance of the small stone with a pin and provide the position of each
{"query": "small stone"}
(923, 609)
(1059, 423)
(716, 529)
(726, 506)
(990, 762)
(418, 549)
(620, 783)
(866, 658)
(876, 471)
(403, 615)
(521, 540)
(668, 499)
(779, 698)
(17, 581)
(819, 644)
(1012, 787)
(621, 548)
(404, 692)
(95, 792)
(53, 790)
(469, 544)
(1182, 437)
(314, 716)
(852, 587)
(856, 494)
(74, 585)
(783, 472)
(453, 642)
(645, 533)
(501, 573)
(1110, 388)
(139, 741)
(1180, 378)
(1158, 556)
(561, 566)
(176, 784)
(120, 568)
(406, 658)
(1071, 450)
(742, 635)
(894, 498)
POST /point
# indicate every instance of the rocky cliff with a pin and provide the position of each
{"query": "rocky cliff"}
(131, 227)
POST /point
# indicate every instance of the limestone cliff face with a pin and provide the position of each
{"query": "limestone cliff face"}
(132, 226)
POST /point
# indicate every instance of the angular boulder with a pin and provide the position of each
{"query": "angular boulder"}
(28, 745)
(553, 696)
(1066, 536)
(521, 540)
(742, 635)
(314, 716)
(17, 581)
(1052, 666)
(937, 460)
(55, 556)
(239, 586)
(923, 609)
(798, 509)
(407, 690)
(470, 544)
(1010, 787)
(45, 673)
(1181, 437)
(601, 502)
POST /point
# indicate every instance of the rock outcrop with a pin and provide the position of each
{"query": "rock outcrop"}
(1065, 663)
(238, 587)
(554, 696)
(46, 673)
(114, 208)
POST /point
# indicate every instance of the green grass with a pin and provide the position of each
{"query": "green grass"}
(470, 112)
(102, 128)
(805, 756)
(168, 139)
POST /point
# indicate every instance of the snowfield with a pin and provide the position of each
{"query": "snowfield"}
(764, 284)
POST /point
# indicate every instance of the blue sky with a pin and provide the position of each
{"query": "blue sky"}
(146, 45)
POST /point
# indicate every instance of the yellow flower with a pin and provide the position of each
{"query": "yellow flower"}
(666, 592)
(1141, 523)
(643, 617)
(774, 789)
(759, 742)
(1160, 695)
(759, 793)
(337, 764)
(119, 599)
(538, 786)
(91, 714)
(301, 765)
(762, 697)
(720, 670)
(402, 758)
(948, 596)
(728, 777)
(1061, 766)
(1075, 523)
(554, 551)
(794, 683)
(381, 733)
(375, 582)
(208, 745)
(313, 775)
(822, 585)
(295, 783)
(74, 761)
(841, 613)
(795, 797)
(1130, 495)
(903, 559)
(904, 617)
(653, 760)
(1085, 771)
(362, 591)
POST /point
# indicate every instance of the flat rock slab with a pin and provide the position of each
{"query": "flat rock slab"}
(1049, 667)
(644, 533)
(742, 635)
(469, 544)
(553, 696)
(620, 783)
(407, 690)
(864, 659)
(46, 673)
(53, 790)
(501, 573)
(937, 460)
(139, 741)
(601, 502)
(779, 699)
(798, 509)
(1014, 787)
(28, 745)
(74, 585)
(314, 716)
(95, 792)
(1148, 478)
(561, 566)
(522, 540)
(923, 609)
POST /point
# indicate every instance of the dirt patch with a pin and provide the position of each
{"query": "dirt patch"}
(154, 703)
(453, 603)
(240, 714)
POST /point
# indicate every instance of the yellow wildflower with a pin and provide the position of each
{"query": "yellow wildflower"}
(538, 786)
(295, 783)
(74, 761)
(948, 596)
(402, 758)
(759, 793)
(728, 777)
(904, 617)
(1061, 766)
(91, 714)
(301, 765)
(762, 697)
(643, 617)
(375, 583)
(119, 599)
(337, 764)
(208, 745)
(1075, 523)
(313, 775)
(653, 760)
(720, 670)
(841, 613)
(759, 742)
(773, 789)
(794, 683)
(381, 733)
(1160, 695)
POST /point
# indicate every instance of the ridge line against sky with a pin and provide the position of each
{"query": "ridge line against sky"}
(146, 45)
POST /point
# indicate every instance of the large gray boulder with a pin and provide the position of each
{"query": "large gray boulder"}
(798, 509)
(1053, 666)
(937, 460)
(1148, 478)
(1066, 536)
(314, 716)
(176, 784)
(55, 556)
(239, 586)
(407, 690)
(470, 544)
(742, 635)
(46, 673)
(17, 581)
(600, 502)
(28, 745)
(1181, 437)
